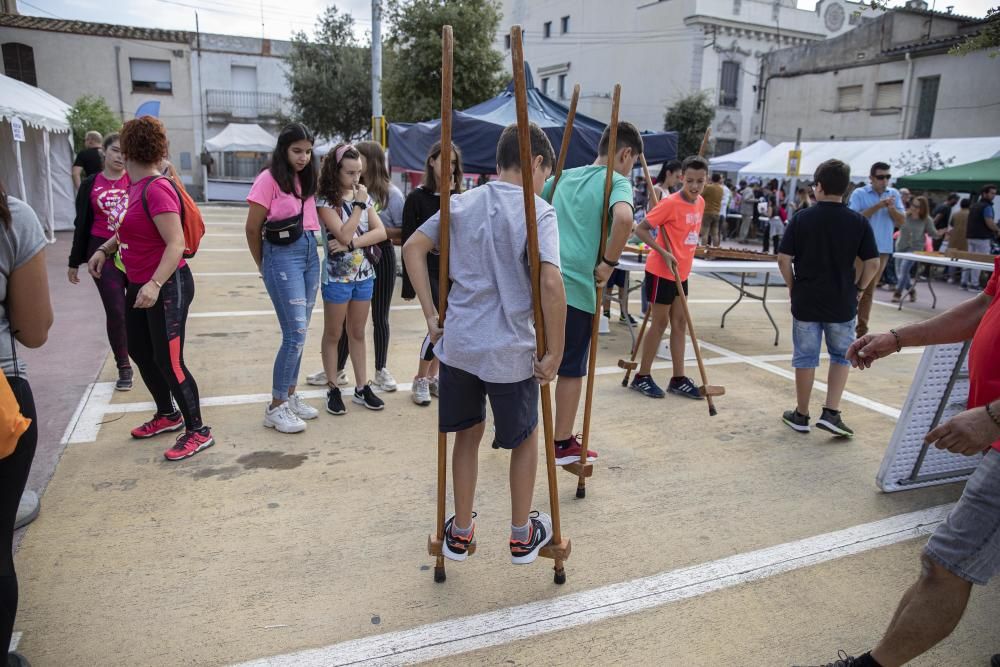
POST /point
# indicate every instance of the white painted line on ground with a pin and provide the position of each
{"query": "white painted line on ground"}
(75, 419)
(15, 639)
(881, 408)
(88, 424)
(436, 641)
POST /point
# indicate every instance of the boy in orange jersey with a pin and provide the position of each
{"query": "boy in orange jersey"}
(677, 218)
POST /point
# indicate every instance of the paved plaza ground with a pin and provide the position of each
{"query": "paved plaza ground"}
(702, 541)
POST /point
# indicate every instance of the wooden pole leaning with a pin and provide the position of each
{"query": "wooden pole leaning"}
(630, 364)
(435, 542)
(582, 468)
(566, 139)
(706, 390)
(559, 548)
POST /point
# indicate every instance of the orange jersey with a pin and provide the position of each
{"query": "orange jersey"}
(678, 220)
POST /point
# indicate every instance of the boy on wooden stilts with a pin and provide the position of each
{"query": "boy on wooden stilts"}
(579, 204)
(678, 219)
(487, 347)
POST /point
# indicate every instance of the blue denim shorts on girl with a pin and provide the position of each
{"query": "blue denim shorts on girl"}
(360, 290)
(807, 337)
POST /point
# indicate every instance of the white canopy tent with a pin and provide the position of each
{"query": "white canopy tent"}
(738, 159)
(905, 156)
(37, 169)
(241, 150)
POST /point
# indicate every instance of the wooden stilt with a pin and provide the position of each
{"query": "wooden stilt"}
(559, 548)
(579, 468)
(435, 542)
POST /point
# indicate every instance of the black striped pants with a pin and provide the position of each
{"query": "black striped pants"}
(385, 283)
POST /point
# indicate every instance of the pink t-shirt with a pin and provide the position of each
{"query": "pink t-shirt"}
(281, 205)
(139, 240)
(104, 197)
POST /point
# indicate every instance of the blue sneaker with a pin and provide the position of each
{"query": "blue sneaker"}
(685, 387)
(645, 385)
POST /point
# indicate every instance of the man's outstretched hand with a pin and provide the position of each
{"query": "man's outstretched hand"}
(864, 351)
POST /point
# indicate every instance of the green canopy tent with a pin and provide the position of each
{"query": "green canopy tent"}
(969, 177)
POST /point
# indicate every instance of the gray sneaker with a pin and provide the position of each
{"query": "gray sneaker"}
(796, 420)
(317, 379)
(420, 391)
(384, 380)
(435, 386)
(831, 422)
(27, 509)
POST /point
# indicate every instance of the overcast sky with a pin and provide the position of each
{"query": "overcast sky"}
(281, 19)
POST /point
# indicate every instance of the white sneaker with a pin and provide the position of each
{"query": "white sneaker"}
(342, 380)
(317, 379)
(421, 393)
(385, 381)
(302, 409)
(435, 386)
(283, 420)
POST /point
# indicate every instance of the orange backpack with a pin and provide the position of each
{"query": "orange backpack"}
(192, 221)
(12, 423)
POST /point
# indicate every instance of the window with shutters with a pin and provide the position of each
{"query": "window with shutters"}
(547, 30)
(926, 107)
(562, 86)
(19, 62)
(545, 85)
(888, 97)
(564, 25)
(729, 85)
(150, 76)
(849, 98)
(506, 42)
(724, 146)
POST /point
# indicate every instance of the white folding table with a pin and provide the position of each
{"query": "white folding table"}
(725, 270)
(933, 260)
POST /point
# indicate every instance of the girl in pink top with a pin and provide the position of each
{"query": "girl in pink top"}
(290, 271)
(160, 288)
(96, 199)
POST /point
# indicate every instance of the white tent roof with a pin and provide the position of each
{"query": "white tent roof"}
(32, 105)
(738, 159)
(241, 137)
(905, 156)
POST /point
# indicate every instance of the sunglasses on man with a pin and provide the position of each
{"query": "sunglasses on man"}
(882, 177)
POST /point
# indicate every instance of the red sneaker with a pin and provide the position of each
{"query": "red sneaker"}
(157, 425)
(190, 443)
(571, 452)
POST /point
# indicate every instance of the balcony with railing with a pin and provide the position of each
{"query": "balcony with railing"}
(244, 103)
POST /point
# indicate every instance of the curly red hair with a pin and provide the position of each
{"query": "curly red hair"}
(144, 140)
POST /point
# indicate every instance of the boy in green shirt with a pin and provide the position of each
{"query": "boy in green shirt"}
(579, 204)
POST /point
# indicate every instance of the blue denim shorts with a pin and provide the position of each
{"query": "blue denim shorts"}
(808, 336)
(344, 292)
(967, 544)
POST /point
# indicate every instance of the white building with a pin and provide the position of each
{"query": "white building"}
(892, 78)
(661, 51)
(201, 82)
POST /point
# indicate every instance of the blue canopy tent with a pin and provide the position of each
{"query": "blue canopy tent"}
(476, 131)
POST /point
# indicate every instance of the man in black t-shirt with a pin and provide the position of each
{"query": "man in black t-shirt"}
(942, 216)
(817, 259)
(90, 160)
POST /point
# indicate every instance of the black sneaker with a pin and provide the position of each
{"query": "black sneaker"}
(455, 547)
(995, 662)
(796, 420)
(607, 314)
(522, 553)
(627, 319)
(843, 660)
(124, 382)
(334, 402)
(685, 387)
(830, 421)
(367, 398)
(645, 385)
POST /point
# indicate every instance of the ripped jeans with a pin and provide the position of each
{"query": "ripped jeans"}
(291, 276)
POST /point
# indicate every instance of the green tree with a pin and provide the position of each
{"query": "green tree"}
(91, 112)
(689, 117)
(411, 86)
(329, 78)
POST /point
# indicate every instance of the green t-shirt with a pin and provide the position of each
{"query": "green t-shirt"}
(579, 205)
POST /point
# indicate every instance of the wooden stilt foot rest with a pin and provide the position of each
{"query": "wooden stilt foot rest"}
(559, 551)
(434, 547)
(576, 468)
(627, 365)
(712, 390)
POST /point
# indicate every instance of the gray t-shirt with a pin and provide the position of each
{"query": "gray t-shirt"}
(392, 215)
(489, 326)
(18, 244)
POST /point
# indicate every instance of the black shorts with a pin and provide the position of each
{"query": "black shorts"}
(660, 290)
(618, 278)
(462, 405)
(576, 352)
